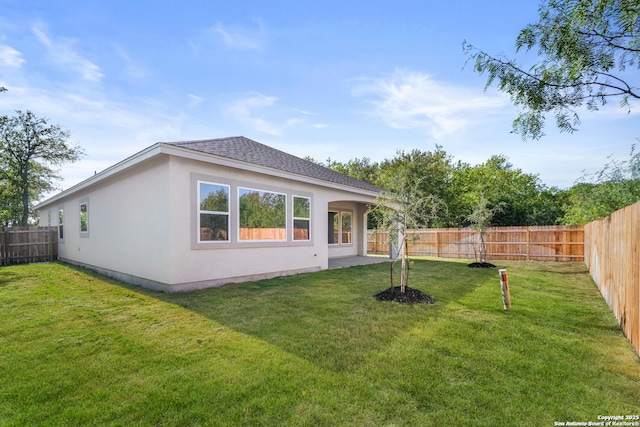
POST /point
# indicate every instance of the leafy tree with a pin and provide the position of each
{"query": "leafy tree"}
(262, 210)
(424, 173)
(404, 207)
(28, 146)
(525, 200)
(597, 195)
(584, 47)
(362, 169)
(480, 221)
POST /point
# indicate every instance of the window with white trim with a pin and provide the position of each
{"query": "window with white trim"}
(301, 218)
(262, 215)
(61, 223)
(213, 212)
(84, 218)
(340, 227)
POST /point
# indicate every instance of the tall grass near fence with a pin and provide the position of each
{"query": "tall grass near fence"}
(549, 243)
(612, 253)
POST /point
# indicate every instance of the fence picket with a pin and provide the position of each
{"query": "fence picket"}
(612, 253)
(551, 243)
(21, 245)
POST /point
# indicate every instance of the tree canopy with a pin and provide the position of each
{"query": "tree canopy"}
(459, 186)
(585, 49)
(597, 195)
(29, 146)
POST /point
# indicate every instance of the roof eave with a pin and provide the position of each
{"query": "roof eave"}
(164, 148)
(133, 160)
(252, 167)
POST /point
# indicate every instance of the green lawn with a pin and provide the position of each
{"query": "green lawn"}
(314, 349)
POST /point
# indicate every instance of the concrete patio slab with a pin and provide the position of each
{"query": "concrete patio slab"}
(353, 261)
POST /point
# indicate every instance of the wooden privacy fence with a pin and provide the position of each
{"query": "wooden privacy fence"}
(612, 253)
(552, 243)
(19, 245)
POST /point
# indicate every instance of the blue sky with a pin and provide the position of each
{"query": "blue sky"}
(334, 79)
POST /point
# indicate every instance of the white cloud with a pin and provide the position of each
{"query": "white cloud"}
(243, 110)
(62, 52)
(194, 100)
(10, 57)
(132, 70)
(410, 99)
(238, 39)
(260, 112)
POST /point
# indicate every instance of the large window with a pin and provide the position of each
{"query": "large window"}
(301, 218)
(340, 228)
(262, 215)
(213, 212)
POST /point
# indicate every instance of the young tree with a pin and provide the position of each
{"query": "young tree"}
(480, 221)
(584, 47)
(405, 207)
(28, 146)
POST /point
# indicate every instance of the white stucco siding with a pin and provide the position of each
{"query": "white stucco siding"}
(229, 260)
(128, 228)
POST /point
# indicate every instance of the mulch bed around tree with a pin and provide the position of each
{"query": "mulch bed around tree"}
(481, 265)
(410, 295)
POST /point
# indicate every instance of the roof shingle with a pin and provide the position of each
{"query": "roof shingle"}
(246, 150)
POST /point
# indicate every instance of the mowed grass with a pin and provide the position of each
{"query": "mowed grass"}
(313, 350)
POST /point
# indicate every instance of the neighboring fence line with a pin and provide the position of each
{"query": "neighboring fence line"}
(21, 245)
(549, 243)
(612, 253)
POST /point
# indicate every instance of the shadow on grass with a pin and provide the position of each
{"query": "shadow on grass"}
(329, 318)
(6, 277)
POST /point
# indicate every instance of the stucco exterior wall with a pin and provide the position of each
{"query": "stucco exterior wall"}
(142, 227)
(236, 261)
(128, 219)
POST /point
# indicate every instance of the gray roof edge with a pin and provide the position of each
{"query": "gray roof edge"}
(268, 157)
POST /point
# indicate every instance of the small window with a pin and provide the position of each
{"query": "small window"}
(84, 217)
(60, 224)
(213, 212)
(346, 228)
(301, 218)
(262, 215)
(334, 227)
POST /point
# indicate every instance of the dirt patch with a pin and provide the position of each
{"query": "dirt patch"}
(410, 295)
(481, 265)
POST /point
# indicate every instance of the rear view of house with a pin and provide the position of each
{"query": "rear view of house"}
(179, 216)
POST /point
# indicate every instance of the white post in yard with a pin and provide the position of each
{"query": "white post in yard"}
(504, 284)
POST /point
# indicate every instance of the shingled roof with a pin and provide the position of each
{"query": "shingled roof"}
(246, 150)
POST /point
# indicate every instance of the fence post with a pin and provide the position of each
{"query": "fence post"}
(7, 241)
(528, 242)
(51, 236)
(437, 244)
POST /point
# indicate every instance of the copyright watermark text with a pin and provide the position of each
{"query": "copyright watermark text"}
(605, 421)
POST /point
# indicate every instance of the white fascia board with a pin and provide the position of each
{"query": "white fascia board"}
(236, 164)
(137, 158)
